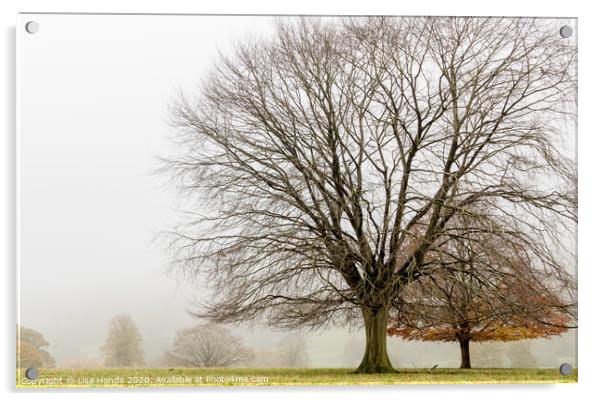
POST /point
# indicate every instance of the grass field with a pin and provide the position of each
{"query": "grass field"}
(58, 378)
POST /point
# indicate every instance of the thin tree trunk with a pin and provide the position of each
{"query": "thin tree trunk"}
(376, 359)
(465, 351)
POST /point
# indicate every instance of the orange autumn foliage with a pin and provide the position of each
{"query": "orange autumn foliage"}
(496, 331)
(454, 306)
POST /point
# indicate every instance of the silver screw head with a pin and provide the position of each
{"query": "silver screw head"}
(566, 31)
(32, 27)
(566, 369)
(31, 373)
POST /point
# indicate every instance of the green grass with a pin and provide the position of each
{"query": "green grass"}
(280, 377)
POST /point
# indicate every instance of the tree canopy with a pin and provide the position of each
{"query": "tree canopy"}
(485, 290)
(31, 349)
(207, 345)
(123, 346)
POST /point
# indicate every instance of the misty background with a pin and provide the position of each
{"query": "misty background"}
(93, 103)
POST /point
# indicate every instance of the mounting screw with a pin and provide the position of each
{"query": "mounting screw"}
(32, 27)
(566, 31)
(566, 369)
(31, 373)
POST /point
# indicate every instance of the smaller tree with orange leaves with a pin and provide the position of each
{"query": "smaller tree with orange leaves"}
(485, 290)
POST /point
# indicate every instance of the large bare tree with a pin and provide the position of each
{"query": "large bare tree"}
(327, 160)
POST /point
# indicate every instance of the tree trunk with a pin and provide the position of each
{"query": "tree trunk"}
(376, 359)
(465, 350)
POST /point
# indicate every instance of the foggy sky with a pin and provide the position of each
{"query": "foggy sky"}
(93, 95)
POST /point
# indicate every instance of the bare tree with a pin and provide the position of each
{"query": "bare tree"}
(292, 351)
(207, 345)
(316, 154)
(123, 345)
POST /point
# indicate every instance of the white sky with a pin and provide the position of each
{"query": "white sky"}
(93, 94)
(93, 104)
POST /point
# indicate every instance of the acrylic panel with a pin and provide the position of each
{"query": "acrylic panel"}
(213, 200)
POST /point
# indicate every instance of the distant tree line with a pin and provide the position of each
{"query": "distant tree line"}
(200, 346)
